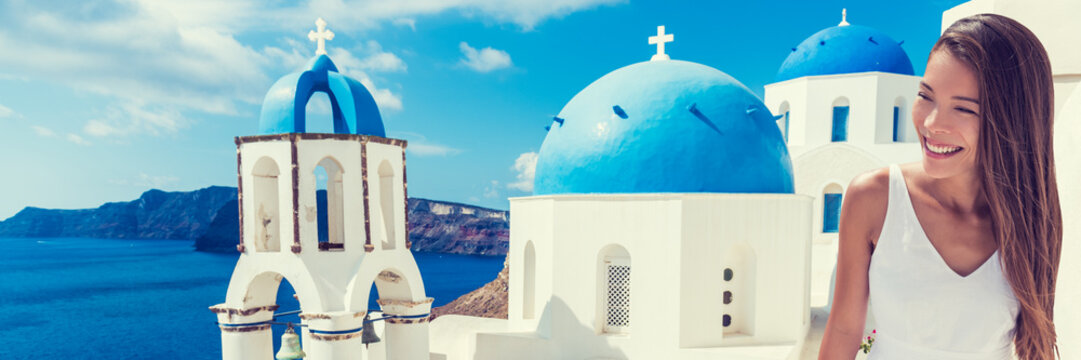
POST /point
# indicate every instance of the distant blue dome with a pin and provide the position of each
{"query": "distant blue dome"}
(664, 126)
(354, 107)
(843, 50)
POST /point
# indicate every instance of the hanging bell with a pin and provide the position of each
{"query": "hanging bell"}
(367, 335)
(290, 349)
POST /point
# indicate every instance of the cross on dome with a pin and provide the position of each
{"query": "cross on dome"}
(320, 37)
(660, 40)
(844, 18)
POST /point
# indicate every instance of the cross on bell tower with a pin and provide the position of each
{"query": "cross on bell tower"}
(321, 36)
(660, 40)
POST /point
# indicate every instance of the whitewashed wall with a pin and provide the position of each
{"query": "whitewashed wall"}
(676, 244)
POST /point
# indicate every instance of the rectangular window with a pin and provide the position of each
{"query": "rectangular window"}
(831, 213)
(618, 299)
(840, 123)
(896, 124)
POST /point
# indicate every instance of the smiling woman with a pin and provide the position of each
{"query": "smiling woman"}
(959, 252)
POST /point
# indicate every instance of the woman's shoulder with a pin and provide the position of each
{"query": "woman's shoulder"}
(869, 187)
(865, 203)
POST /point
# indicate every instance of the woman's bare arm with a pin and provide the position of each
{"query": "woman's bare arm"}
(862, 213)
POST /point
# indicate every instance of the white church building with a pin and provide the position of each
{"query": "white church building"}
(654, 228)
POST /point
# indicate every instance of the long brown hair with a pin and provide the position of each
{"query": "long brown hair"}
(1017, 164)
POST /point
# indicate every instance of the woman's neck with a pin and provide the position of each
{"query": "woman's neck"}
(962, 194)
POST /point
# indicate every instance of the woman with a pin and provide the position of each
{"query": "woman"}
(957, 255)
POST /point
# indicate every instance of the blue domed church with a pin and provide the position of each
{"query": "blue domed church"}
(843, 97)
(658, 195)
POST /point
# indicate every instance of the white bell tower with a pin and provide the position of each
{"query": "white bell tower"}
(327, 213)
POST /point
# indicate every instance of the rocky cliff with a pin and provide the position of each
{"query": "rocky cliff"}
(446, 227)
(489, 300)
(210, 217)
(154, 215)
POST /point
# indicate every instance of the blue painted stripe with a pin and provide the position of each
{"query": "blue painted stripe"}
(330, 332)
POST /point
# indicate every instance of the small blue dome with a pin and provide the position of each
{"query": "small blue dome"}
(354, 107)
(664, 126)
(843, 50)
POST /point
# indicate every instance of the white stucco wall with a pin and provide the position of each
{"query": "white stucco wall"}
(871, 97)
(677, 245)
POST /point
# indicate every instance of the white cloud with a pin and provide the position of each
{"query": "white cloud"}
(135, 118)
(144, 180)
(43, 131)
(525, 165)
(421, 149)
(174, 57)
(149, 51)
(379, 60)
(407, 22)
(368, 13)
(492, 190)
(6, 112)
(77, 139)
(420, 146)
(484, 60)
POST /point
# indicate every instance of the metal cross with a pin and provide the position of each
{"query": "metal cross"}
(660, 40)
(320, 37)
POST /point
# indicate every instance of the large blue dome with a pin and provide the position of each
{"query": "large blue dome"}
(845, 49)
(664, 126)
(355, 111)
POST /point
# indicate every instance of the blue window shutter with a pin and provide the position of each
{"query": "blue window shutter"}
(840, 123)
(787, 120)
(831, 214)
(896, 124)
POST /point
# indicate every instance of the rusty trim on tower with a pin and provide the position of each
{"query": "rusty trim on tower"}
(405, 196)
(239, 197)
(220, 309)
(368, 247)
(296, 193)
(242, 329)
(316, 136)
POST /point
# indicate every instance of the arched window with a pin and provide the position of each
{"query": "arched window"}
(529, 281)
(785, 121)
(386, 202)
(738, 290)
(840, 120)
(614, 271)
(267, 217)
(329, 204)
(831, 208)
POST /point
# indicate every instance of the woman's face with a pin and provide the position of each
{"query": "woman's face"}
(946, 115)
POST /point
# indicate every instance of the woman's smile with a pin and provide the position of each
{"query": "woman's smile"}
(938, 150)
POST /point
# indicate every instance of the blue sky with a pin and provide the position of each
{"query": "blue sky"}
(102, 100)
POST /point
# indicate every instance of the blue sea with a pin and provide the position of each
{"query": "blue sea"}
(69, 298)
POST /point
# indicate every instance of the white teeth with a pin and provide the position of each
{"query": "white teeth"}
(942, 149)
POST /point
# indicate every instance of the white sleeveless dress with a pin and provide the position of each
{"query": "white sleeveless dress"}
(925, 310)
